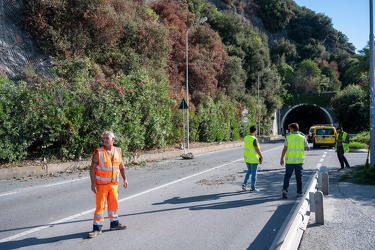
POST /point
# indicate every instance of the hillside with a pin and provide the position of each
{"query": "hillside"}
(20, 55)
(126, 66)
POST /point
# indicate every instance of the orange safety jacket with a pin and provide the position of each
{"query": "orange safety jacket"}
(108, 171)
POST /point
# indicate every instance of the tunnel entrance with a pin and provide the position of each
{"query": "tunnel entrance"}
(306, 115)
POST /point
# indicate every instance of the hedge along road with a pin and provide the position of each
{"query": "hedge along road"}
(176, 203)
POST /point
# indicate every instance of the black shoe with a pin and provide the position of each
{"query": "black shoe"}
(116, 225)
(347, 166)
(94, 233)
(97, 229)
(284, 194)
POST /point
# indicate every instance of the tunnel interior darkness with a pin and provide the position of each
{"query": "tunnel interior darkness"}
(306, 115)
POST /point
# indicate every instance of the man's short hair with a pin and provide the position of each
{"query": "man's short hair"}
(253, 129)
(339, 128)
(110, 133)
(294, 126)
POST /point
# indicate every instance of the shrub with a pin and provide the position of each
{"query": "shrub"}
(362, 137)
(14, 121)
(64, 120)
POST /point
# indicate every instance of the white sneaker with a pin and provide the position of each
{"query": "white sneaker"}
(254, 190)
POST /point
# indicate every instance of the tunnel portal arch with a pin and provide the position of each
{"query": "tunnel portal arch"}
(306, 115)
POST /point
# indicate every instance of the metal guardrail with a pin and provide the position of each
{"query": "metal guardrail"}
(297, 220)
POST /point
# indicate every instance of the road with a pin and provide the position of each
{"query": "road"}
(172, 204)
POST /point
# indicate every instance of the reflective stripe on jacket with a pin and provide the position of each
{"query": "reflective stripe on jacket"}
(250, 155)
(295, 153)
(344, 145)
(108, 171)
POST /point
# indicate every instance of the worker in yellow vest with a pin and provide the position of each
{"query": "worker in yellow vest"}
(253, 157)
(342, 146)
(106, 167)
(294, 151)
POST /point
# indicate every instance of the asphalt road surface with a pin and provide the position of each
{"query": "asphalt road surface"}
(172, 204)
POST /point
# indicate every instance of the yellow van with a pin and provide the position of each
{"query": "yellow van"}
(323, 135)
(311, 131)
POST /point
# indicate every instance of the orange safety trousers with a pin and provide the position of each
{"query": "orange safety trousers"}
(106, 193)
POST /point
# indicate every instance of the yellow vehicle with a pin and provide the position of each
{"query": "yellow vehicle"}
(323, 135)
(309, 135)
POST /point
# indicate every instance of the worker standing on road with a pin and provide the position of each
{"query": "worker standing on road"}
(342, 146)
(294, 152)
(104, 173)
(253, 157)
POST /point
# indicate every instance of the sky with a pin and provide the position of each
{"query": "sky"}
(351, 17)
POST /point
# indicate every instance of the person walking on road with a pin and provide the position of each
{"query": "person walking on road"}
(342, 146)
(253, 157)
(294, 153)
(105, 168)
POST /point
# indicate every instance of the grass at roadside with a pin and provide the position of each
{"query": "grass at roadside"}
(358, 145)
(360, 175)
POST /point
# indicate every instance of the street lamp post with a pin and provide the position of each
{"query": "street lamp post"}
(201, 21)
(372, 99)
(187, 88)
(258, 110)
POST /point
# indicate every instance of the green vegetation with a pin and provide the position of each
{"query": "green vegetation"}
(360, 141)
(120, 65)
(361, 175)
(364, 174)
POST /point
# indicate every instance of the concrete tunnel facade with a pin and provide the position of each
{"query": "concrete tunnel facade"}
(306, 115)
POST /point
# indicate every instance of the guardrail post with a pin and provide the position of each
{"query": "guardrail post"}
(325, 183)
(319, 209)
(322, 169)
(312, 201)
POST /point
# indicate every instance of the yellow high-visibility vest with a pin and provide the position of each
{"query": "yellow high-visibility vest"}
(250, 155)
(344, 145)
(295, 153)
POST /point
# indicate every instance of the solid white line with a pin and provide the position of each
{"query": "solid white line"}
(7, 194)
(125, 199)
(36, 229)
(64, 182)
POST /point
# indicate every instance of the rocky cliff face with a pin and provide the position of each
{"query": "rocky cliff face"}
(20, 55)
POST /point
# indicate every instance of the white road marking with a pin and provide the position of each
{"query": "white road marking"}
(36, 229)
(5, 194)
(64, 182)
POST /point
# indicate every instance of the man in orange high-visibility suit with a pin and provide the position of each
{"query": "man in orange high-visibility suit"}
(105, 170)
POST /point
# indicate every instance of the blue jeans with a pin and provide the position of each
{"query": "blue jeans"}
(251, 170)
(289, 168)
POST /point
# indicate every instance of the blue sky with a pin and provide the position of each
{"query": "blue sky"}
(351, 17)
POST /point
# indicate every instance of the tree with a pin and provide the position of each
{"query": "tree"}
(275, 14)
(206, 52)
(351, 106)
(307, 78)
(233, 79)
(283, 50)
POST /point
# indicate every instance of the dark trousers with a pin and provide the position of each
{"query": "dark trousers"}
(341, 157)
(289, 169)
